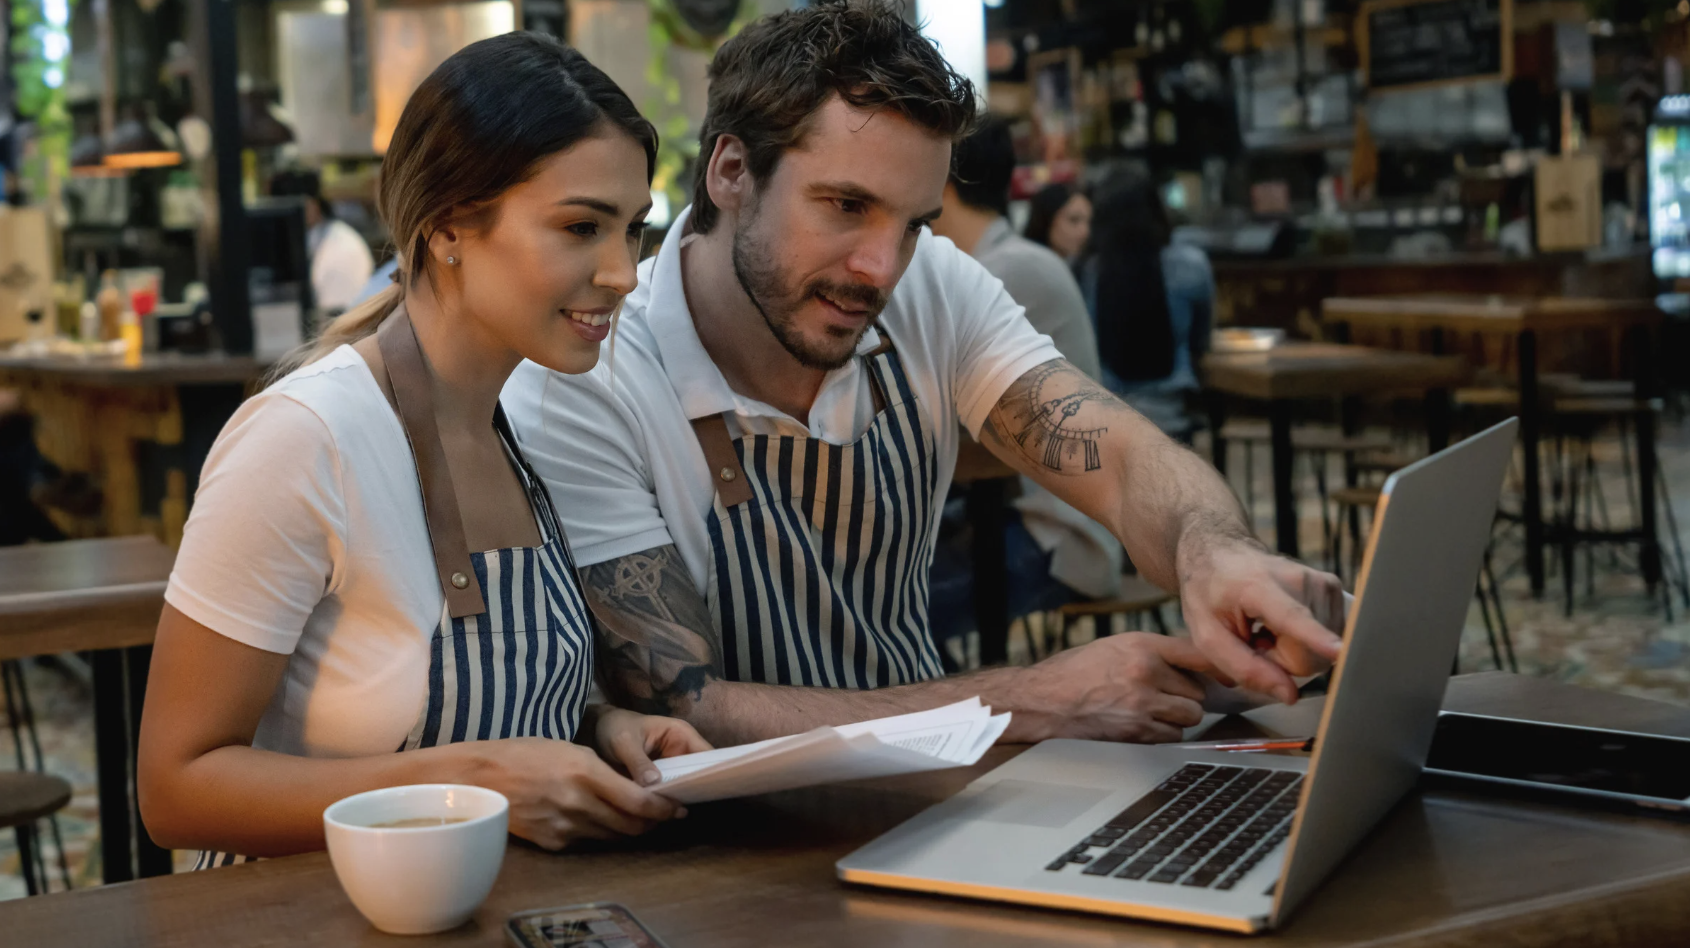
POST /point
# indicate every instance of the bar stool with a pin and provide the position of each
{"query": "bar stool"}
(25, 798)
(1138, 597)
(31, 782)
(1353, 500)
(1579, 421)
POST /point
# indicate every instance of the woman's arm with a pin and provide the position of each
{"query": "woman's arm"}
(203, 786)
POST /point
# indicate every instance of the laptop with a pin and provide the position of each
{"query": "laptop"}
(1221, 840)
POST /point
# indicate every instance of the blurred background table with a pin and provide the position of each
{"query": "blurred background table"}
(1295, 371)
(1527, 319)
(99, 596)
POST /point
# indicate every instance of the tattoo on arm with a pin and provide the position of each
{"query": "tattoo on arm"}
(1054, 417)
(657, 647)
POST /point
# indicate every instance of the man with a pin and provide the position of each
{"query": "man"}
(1056, 553)
(750, 480)
(340, 260)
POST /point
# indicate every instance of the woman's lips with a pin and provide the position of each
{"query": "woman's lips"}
(593, 327)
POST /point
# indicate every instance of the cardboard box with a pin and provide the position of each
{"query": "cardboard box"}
(1569, 202)
(26, 270)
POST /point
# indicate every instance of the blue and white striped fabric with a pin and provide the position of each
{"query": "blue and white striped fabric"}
(523, 668)
(821, 578)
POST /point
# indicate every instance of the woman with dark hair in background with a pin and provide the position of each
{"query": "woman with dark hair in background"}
(330, 604)
(1060, 218)
(1151, 300)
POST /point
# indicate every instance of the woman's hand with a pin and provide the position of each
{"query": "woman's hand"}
(560, 791)
(632, 740)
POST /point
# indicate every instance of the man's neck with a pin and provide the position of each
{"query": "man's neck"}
(736, 336)
(965, 225)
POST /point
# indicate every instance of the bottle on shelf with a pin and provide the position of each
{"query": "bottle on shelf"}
(111, 304)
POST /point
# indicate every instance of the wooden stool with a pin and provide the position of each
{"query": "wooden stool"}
(24, 798)
(1138, 595)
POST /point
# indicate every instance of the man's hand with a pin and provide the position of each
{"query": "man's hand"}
(1133, 687)
(631, 741)
(1261, 618)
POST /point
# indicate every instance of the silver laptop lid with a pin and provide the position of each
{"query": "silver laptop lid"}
(1422, 562)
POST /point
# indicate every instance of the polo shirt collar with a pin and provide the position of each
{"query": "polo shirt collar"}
(698, 383)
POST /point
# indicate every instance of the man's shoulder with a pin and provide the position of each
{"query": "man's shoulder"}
(1021, 259)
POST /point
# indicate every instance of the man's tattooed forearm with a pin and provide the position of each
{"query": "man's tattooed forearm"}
(657, 647)
(1050, 416)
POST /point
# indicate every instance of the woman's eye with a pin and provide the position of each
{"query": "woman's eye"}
(583, 229)
(637, 229)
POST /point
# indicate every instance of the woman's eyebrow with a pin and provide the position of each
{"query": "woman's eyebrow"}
(603, 207)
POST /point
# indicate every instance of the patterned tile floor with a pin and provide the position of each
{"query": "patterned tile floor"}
(1617, 639)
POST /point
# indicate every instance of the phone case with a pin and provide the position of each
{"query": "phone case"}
(593, 925)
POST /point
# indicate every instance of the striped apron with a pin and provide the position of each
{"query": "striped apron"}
(512, 655)
(820, 552)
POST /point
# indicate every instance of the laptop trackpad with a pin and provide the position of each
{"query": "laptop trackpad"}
(1026, 803)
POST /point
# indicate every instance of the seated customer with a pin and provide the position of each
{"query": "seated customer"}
(340, 260)
(371, 566)
(1151, 301)
(1060, 218)
(1056, 554)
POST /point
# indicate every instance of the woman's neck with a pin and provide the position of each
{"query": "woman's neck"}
(467, 366)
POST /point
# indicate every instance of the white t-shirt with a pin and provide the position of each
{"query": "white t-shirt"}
(616, 445)
(307, 538)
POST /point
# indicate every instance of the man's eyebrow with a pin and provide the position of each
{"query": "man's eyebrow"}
(853, 192)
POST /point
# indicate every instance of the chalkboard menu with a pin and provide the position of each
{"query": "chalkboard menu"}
(1420, 42)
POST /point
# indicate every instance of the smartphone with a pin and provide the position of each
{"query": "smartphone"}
(1593, 764)
(595, 925)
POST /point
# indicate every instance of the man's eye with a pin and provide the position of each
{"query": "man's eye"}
(916, 226)
(850, 206)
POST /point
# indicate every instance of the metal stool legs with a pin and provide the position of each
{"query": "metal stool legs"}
(20, 713)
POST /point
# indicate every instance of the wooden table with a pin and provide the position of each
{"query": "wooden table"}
(1527, 318)
(1297, 371)
(98, 416)
(104, 597)
(1446, 868)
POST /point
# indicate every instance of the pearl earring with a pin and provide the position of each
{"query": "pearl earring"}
(453, 261)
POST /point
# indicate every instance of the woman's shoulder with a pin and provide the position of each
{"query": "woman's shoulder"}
(337, 387)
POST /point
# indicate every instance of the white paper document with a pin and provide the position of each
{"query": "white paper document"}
(953, 736)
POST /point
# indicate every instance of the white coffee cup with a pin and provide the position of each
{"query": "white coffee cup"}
(418, 879)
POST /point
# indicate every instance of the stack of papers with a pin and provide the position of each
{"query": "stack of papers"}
(953, 736)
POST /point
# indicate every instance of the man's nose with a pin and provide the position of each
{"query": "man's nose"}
(876, 257)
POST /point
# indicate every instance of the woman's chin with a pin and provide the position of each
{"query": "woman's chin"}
(571, 358)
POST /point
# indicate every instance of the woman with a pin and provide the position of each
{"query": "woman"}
(1151, 301)
(1060, 218)
(326, 607)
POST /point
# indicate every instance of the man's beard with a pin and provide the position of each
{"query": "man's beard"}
(765, 284)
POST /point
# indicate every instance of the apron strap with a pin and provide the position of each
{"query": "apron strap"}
(712, 433)
(402, 360)
(718, 446)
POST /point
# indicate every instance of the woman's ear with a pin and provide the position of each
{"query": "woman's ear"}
(445, 245)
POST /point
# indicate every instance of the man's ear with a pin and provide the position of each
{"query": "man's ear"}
(727, 177)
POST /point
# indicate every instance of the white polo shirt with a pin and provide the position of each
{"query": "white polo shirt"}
(616, 444)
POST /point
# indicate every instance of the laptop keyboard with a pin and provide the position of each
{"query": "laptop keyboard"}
(1205, 826)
